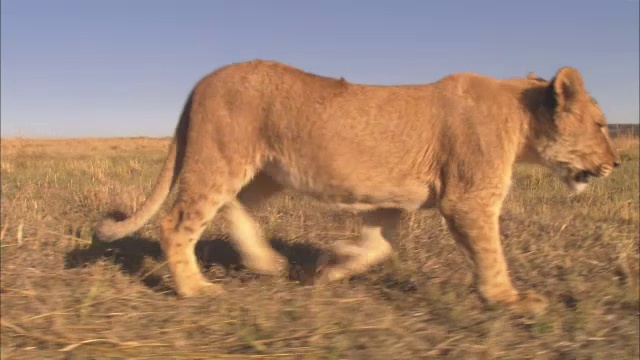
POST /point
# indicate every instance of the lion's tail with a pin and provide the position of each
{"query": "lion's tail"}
(110, 228)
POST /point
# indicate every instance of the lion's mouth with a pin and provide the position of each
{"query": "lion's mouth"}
(576, 179)
(582, 177)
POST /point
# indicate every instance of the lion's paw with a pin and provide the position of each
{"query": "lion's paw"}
(200, 288)
(330, 273)
(346, 249)
(326, 276)
(529, 303)
(270, 263)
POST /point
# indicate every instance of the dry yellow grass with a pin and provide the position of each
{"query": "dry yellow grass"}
(65, 296)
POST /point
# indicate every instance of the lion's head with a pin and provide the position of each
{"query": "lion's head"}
(573, 140)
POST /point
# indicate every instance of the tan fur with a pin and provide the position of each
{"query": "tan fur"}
(249, 130)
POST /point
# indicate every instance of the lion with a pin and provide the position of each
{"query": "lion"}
(249, 130)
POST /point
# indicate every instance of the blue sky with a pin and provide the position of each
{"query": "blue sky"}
(125, 67)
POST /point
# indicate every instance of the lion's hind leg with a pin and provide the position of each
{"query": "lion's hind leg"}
(180, 231)
(378, 230)
(200, 197)
(255, 251)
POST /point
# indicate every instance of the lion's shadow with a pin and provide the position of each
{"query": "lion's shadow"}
(131, 253)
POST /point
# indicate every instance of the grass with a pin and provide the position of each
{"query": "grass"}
(65, 296)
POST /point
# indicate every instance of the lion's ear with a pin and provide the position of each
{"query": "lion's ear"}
(567, 85)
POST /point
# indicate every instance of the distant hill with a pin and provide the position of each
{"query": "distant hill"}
(624, 129)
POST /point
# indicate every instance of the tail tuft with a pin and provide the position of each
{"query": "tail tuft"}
(109, 229)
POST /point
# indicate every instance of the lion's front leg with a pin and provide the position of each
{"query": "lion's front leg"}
(474, 225)
(378, 229)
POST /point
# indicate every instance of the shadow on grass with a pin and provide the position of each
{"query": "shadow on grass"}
(131, 254)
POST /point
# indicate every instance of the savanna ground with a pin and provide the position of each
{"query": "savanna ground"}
(67, 296)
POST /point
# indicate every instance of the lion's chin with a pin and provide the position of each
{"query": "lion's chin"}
(577, 187)
(578, 182)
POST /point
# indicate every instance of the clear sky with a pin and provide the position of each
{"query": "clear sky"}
(124, 67)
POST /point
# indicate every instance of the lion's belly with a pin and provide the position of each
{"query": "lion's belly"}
(356, 190)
